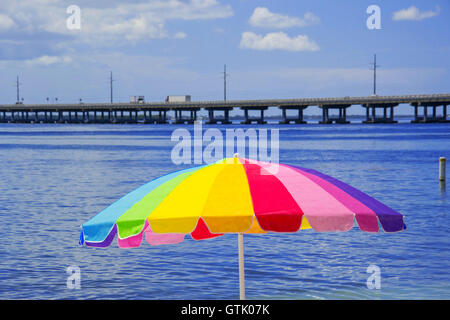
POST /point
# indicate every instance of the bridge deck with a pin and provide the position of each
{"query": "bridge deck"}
(324, 102)
(144, 112)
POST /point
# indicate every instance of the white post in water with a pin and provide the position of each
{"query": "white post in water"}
(442, 161)
(241, 266)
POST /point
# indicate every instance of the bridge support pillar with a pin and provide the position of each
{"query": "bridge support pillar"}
(149, 118)
(162, 117)
(178, 116)
(425, 117)
(250, 120)
(146, 120)
(179, 119)
(213, 120)
(341, 118)
(371, 117)
(296, 120)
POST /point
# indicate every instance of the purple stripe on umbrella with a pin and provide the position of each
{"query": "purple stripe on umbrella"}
(390, 220)
(106, 242)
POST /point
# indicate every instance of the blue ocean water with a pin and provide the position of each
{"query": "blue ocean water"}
(53, 178)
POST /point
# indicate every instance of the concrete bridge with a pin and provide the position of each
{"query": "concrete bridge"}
(427, 108)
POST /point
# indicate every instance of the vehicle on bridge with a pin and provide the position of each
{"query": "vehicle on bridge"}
(137, 99)
(178, 99)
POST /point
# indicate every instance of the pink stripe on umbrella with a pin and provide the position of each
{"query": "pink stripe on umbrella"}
(156, 239)
(366, 218)
(323, 211)
(151, 237)
(390, 220)
(133, 241)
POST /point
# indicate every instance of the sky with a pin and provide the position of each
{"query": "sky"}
(66, 49)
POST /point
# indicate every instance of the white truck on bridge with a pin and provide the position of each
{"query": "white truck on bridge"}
(178, 99)
(137, 99)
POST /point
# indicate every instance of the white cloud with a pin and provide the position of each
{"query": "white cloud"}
(112, 22)
(180, 35)
(277, 41)
(48, 60)
(5, 22)
(262, 17)
(412, 13)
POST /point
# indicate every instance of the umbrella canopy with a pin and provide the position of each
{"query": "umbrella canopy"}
(236, 195)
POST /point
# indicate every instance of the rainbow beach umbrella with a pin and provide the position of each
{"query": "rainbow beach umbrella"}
(236, 195)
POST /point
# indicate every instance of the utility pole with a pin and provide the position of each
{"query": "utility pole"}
(17, 85)
(225, 83)
(375, 75)
(111, 86)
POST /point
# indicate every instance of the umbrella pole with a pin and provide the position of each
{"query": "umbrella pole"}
(241, 266)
